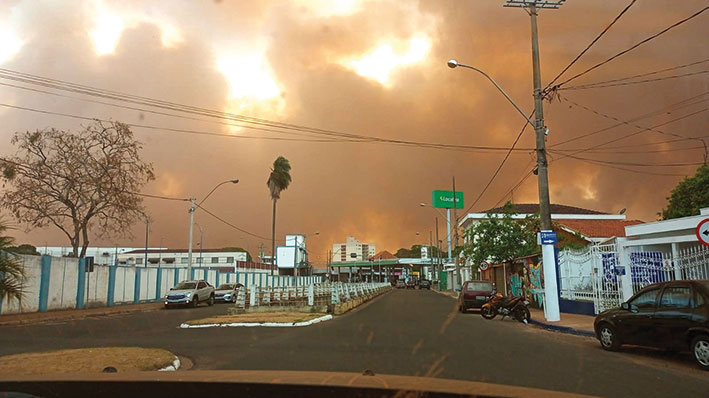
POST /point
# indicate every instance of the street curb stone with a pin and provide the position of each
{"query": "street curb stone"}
(563, 329)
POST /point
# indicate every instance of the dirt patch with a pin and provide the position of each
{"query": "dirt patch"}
(276, 317)
(86, 360)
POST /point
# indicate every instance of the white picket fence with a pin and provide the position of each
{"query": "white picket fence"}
(609, 274)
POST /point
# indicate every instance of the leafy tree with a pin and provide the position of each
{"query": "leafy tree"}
(689, 195)
(238, 250)
(79, 182)
(278, 181)
(415, 252)
(499, 239)
(24, 249)
(11, 271)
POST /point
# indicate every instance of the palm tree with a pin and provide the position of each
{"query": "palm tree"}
(278, 180)
(10, 269)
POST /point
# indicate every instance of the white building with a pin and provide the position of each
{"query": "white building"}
(352, 250)
(292, 256)
(101, 255)
(208, 258)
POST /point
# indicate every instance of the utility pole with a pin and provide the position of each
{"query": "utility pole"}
(430, 253)
(549, 262)
(189, 245)
(437, 268)
(455, 220)
(147, 223)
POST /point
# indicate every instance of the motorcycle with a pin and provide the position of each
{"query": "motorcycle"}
(516, 307)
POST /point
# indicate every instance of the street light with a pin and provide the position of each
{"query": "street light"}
(193, 207)
(453, 64)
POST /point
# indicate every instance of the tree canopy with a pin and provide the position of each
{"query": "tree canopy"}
(499, 239)
(79, 182)
(690, 195)
(415, 252)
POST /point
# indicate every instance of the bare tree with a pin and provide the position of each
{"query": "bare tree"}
(78, 182)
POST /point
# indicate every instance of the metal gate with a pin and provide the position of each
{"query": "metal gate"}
(606, 289)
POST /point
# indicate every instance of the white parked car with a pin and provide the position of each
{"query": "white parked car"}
(226, 292)
(190, 293)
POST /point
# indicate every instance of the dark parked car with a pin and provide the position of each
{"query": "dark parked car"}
(474, 294)
(672, 315)
(425, 284)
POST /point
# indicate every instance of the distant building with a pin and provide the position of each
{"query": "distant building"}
(101, 255)
(292, 258)
(352, 250)
(207, 258)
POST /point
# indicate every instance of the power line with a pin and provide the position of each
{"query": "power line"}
(158, 196)
(591, 44)
(638, 44)
(168, 114)
(691, 101)
(232, 225)
(499, 167)
(624, 168)
(636, 76)
(634, 164)
(91, 91)
(643, 128)
(464, 148)
(585, 87)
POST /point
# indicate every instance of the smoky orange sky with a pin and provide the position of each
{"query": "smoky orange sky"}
(375, 68)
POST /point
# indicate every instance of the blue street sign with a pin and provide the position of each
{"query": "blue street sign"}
(548, 237)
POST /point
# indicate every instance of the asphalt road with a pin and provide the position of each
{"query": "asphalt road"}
(406, 332)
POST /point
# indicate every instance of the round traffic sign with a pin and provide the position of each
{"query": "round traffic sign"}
(703, 232)
(484, 266)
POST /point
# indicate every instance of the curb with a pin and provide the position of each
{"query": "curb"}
(254, 324)
(171, 368)
(563, 329)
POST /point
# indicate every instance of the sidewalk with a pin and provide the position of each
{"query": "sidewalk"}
(570, 323)
(66, 315)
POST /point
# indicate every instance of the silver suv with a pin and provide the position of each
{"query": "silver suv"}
(190, 293)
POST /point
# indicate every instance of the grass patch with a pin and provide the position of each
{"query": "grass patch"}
(279, 317)
(86, 360)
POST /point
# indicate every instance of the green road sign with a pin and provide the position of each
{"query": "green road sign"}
(444, 199)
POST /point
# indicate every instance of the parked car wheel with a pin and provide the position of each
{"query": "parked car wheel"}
(700, 351)
(195, 302)
(608, 337)
(210, 302)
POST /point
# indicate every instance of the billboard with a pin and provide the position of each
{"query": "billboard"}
(424, 252)
(444, 199)
(241, 256)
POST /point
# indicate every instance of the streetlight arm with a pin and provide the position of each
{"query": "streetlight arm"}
(453, 64)
(215, 188)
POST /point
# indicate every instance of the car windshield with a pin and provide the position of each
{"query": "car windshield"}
(185, 286)
(479, 286)
(469, 190)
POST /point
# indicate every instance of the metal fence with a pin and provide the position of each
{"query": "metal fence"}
(598, 272)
